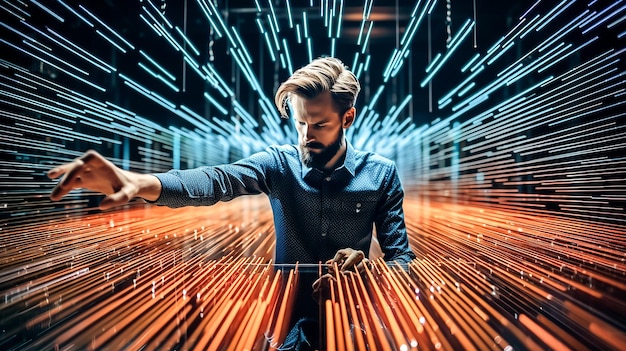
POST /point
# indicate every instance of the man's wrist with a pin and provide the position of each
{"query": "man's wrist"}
(149, 187)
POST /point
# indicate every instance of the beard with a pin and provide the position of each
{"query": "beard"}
(320, 159)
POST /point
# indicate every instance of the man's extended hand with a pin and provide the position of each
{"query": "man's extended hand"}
(94, 172)
(345, 260)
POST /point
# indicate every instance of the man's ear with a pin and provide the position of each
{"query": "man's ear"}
(348, 117)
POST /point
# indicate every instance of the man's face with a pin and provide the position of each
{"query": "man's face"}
(320, 129)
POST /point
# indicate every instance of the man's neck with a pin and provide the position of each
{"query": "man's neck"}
(338, 159)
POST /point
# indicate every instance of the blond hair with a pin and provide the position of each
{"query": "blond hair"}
(321, 75)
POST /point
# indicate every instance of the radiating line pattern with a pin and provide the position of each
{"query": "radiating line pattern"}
(515, 190)
(155, 278)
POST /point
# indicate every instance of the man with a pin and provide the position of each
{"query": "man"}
(325, 195)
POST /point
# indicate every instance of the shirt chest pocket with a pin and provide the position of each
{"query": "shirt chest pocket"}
(358, 209)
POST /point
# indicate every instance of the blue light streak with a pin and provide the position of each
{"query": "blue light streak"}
(288, 54)
(367, 37)
(552, 15)
(194, 65)
(76, 13)
(21, 18)
(259, 24)
(289, 16)
(55, 66)
(215, 103)
(466, 89)
(274, 33)
(103, 66)
(470, 62)
(159, 12)
(15, 7)
(514, 76)
(589, 19)
(151, 25)
(273, 17)
(197, 120)
(182, 35)
(340, 20)
(457, 39)
(223, 84)
(270, 48)
(243, 47)
(305, 23)
(395, 61)
(107, 27)
(562, 57)
(356, 60)
(133, 84)
(529, 9)
(50, 12)
(502, 52)
(488, 55)
(605, 18)
(298, 34)
(207, 13)
(359, 70)
(616, 22)
(461, 85)
(433, 62)
(401, 107)
(159, 77)
(374, 99)
(220, 20)
(561, 32)
(244, 114)
(467, 26)
(358, 40)
(157, 65)
(110, 41)
(309, 46)
(532, 24)
(367, 8)
(55, 58)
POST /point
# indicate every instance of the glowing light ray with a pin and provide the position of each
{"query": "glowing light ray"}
(506, 212)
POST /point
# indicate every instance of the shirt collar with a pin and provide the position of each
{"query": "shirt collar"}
(349, 163)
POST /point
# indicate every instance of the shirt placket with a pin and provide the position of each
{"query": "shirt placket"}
(325, 211)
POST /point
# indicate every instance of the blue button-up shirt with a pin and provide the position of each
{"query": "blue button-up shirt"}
(315, 214)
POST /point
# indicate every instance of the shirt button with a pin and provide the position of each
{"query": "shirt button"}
(327, 179)
(324, 234)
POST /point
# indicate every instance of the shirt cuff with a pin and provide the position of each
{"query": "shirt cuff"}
(171, 188)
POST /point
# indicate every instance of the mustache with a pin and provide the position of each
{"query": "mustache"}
(314, 145)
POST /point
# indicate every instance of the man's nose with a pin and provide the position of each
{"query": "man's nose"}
(308, 133)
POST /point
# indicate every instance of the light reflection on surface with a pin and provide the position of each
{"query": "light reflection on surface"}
(158, 278)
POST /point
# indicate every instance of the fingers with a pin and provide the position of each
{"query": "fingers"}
(87, 157)
(362, 265)
(347, 258)
(119, 198)
(341, 254)
(322, 285)
(72, 171)
(355, 257)
(70, 181)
